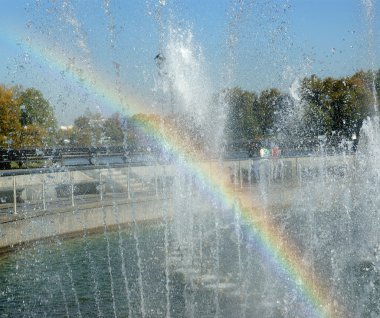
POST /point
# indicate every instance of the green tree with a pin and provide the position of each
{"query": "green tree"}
(37, 118)
(113, 130)
(242, 123)
(269, 104)
(35, 109)
(87, 130)
(318, 115)
(377, 84)
(140, 128)
(93, 130)
(335, 108)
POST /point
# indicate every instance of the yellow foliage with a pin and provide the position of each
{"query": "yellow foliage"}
(10, 126)
(12, 133)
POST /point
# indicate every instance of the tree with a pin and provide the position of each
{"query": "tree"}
(268, 105)
(93, 130)
(335, 108)
(65, 135)
(10, 126)
(113, 130)
(377, 84)
(318, 119)
(143, 131)
(242, 123)
(87, 130)
(37, 118)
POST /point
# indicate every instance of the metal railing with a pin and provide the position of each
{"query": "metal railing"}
(29, 191)
(40, 189)
(113, 156)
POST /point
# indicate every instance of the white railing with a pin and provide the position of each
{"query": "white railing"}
(38, 190)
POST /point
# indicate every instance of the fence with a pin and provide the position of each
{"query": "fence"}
(45, 190)
(35, 190)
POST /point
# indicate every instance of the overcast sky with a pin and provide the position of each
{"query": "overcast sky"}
(275, 42)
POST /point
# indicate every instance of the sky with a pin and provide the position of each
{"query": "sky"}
(75, 51)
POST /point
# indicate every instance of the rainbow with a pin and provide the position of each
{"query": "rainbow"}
(275, 248)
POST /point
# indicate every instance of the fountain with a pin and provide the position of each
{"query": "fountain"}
(194, 235)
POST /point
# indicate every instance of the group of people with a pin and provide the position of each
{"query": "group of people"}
(274, 152)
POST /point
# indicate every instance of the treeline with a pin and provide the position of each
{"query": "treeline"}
(27, 120)
(94, 130)
(328, 110)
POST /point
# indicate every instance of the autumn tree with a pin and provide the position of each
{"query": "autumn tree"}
(10, 125)
(26, 118)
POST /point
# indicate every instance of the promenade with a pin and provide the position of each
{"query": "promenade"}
(37, 205)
